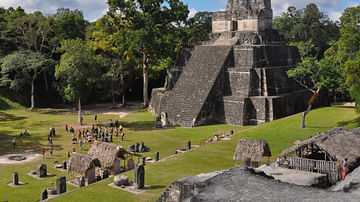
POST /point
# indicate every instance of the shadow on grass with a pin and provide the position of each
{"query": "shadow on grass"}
(4, 105)
(10, 117)
(157, 187)
(23, 144)
(140, 125)
(354, 121)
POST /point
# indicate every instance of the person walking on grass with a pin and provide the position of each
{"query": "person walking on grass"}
(67, 128)
(122, 136)
(80, 144)
(345, 168)
(43, 153)
(14, 143)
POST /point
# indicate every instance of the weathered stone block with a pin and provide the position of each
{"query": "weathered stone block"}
(61, 185)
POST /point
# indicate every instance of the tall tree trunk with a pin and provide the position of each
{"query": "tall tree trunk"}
(32, 94)
(79, 113)
(311, 101)
(46, 82)
(146, 79)
(113, 93)
(303, 116)
(122, 83)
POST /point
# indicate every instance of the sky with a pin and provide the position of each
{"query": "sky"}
(94, 9)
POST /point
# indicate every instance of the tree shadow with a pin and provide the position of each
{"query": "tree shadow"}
(4, 105)
(355, 121)
(140, 125)
(23, 144)
(10, 117)
(157, 186)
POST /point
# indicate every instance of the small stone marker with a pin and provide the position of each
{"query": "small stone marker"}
(121, 180)
(157, 156)
(164, 119)
(61, 185)
(65, 165)
(141, 147)
(247, 162)
(106, 174)
(143, 160)
(16, 178)
(188, 145)
(42, 170)
(131, 164)
(44, 195)
(82, 181)
(139, 176)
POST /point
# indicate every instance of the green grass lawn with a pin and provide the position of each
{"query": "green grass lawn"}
(280, 134)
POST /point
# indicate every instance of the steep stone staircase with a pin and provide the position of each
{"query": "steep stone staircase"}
(184, 103)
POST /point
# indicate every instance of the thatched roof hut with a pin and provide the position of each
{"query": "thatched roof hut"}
(81, 163)
(338, 143)
(107, 153)
(253, 149)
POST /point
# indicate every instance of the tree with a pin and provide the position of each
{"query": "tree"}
(353, 75)
(308, 29)
(151, 23)
(112, 38)
(22, 68)
(315, 75)
(77, 72)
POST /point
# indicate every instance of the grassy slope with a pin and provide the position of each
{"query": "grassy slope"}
(280, 134)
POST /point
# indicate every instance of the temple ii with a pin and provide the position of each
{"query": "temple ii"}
(237, 77)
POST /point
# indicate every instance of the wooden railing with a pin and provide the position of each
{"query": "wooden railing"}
(323, 167)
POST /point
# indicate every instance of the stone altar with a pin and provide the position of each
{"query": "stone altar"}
(238, 77)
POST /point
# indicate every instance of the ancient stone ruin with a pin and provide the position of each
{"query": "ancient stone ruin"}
(238, 77)
(61, 185)
(139, 176)
(41, 171)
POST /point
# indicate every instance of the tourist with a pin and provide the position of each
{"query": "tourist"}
(74, 138)
(73, 149)
(79, 134)
(72, 129)
(121, 128)
(95, 117)
(122, 136)
(26, 133)
(14, 143)
(117, 133)
(67, 128)
(21, 134)
(80, 144)
(89, 138)
(51, 150)
(43, 152)
(111, 137)
(345, 168)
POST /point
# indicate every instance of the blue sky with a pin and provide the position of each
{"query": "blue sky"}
(94, 9)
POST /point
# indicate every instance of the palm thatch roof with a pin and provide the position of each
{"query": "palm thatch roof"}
(339, 143)
(107, 153)
(253, 149)
(80, 163)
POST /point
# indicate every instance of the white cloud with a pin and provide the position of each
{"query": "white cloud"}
(192, 12)
(335, 15)
(92, 9)
(332, 6)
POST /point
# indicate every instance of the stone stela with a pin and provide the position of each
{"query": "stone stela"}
(237, 77)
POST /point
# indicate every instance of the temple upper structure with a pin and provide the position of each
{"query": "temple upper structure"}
(237, 77)
(243, 15)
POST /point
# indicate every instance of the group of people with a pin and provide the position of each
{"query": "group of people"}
(25, 133)
(104, 134)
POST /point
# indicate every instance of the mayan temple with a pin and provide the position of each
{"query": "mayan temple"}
(238, 77)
